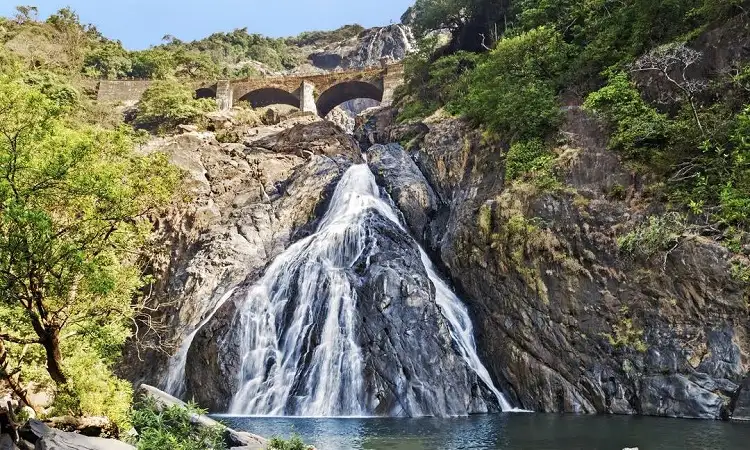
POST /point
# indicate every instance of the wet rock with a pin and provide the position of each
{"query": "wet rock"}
(6, 442)
(412, 366)
(677, 396)
(740, 406)
(393, 42)
(551, 295)
(395, 170)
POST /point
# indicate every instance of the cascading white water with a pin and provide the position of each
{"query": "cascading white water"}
(282, 373)
(174, 381)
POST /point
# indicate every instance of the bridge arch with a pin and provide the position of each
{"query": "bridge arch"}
(205, 92)
(269, 96)
(345, 91)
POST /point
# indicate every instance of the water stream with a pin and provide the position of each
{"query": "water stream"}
(306, 292)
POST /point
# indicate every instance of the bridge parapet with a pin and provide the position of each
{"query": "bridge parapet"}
(317, 93)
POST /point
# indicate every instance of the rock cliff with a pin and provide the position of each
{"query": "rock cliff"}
(566, 321)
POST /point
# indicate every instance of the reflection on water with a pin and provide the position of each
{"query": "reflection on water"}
(506, 432)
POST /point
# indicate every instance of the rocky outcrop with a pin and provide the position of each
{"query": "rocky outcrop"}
(395, 170)
(393, 42)
(247, 202)
(46, 438)
(740, 406)
(565, 320)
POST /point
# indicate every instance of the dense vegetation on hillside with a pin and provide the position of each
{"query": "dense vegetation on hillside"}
(76, 203)
(629, 63)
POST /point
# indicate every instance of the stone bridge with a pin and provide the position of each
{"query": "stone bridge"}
(311, 93)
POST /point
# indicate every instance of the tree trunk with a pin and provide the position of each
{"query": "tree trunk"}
(51, 343)
(7, 374)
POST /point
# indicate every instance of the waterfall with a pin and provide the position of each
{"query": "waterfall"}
(297, 324)
(174, 381)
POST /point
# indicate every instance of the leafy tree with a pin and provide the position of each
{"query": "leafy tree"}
(474, 24)
(74, 206)
(155, 64)
(26, 13)
(514, 90)
(109, 60)
(169, 103)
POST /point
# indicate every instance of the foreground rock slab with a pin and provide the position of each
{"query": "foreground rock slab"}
(47, 438)
(234, 439)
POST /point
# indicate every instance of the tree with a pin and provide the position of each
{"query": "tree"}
(168, 103)
(26, 13)
(109, 60)
(74, 206)
(155, 64)
(475, 24)
(514, 91)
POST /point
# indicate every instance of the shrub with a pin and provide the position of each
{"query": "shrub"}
(294, 443)
(659, 234)
(170, 428)
(638, 130)
(168, 103)
(530, 158)
(514, 90)
(92, 389)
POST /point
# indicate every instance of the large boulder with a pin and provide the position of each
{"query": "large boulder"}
(740, 406)
(408, 188)
(46, 438)
(233, 438)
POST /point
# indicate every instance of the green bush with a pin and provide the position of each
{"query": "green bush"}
(170, 428)
(169, 103)
(660, 234)
(294, 443)
(514, 90)
(530, 158)
(638, 130)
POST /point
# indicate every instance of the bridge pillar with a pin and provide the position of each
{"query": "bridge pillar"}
(307, 98)
(393, 78)
(224, 95)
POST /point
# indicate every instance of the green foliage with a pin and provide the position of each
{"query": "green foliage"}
(513, 92)
(92, 389)
(433, 83)
(170, 428)
(228, 49)
(474, 24)
(530, 158)
(168, 103)
(74, 201)
(659, 235)
(294, 443)
(638, 129)
(109, 60)
(626, 334)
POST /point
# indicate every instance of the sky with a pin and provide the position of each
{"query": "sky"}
(142, 23)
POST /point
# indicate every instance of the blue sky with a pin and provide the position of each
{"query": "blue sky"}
(141, 23)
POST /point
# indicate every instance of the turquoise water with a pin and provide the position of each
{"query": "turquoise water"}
(505, 431)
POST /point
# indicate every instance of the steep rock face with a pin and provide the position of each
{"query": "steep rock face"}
(565, 321)
(408, 188)
(393, 42)
(361, 279)
(247, 203)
